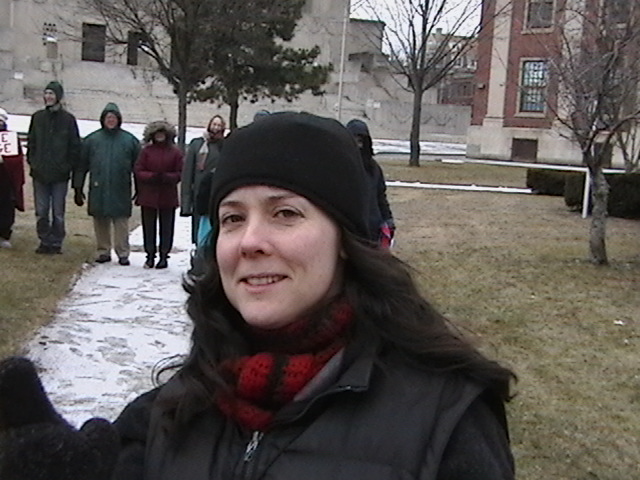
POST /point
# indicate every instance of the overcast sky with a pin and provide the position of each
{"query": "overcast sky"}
(379, 9)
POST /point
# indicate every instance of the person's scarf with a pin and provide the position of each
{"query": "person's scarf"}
(287, 359)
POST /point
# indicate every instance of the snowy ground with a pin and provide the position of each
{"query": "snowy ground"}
(114, 326)
(20, 123)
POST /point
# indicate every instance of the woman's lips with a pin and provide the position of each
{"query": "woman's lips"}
(261, 280)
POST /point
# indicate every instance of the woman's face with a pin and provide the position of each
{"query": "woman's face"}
(159, 137)
(278, 255)
(216, 125)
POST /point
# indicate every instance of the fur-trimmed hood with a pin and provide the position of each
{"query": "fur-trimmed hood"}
(158, 126)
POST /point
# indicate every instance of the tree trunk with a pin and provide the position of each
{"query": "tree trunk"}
(182, 116)
(233, 112)
(597, 234)
(416, 120)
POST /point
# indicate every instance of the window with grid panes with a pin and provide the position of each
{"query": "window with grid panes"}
(533, 85)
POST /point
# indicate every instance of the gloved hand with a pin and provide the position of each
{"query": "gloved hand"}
(78, 197)
(36, 443)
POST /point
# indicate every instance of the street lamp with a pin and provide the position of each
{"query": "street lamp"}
(343, 48)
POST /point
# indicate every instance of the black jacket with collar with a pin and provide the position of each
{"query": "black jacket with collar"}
(53, 145)
(380, 419)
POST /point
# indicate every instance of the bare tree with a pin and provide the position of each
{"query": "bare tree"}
(596, 67)
(628, 141)
(423, 40)
(231, 46)
(176, 34)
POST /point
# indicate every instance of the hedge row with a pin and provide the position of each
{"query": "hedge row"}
(624, 193)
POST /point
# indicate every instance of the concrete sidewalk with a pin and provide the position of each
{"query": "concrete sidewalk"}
(114, 326)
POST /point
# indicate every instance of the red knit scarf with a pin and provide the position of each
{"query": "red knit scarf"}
(287, 359)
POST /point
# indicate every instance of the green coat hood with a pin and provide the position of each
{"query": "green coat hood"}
(111, 108)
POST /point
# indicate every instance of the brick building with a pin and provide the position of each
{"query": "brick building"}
(515, 107)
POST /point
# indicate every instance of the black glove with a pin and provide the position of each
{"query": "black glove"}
(78, 197)
(36, 443)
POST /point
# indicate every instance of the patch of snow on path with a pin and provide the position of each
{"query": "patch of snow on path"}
(114, 326)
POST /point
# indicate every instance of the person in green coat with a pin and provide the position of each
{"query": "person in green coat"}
(108, 156)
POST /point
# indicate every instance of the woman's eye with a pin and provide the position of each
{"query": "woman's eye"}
(287, 213)
(230, 218)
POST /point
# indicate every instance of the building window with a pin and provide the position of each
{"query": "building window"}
(93, 42)
(617, 11)
(539, 14)
(533, 84)
(524, 150)
(133, 43)
(50, 40)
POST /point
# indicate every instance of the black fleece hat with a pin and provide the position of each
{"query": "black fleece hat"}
(56, 87)
(313, 156)
(358, 127)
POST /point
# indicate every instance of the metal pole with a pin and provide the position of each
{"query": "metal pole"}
(343, 48)
(586, 194)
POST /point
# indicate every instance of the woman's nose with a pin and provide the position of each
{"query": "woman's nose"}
(254, 237)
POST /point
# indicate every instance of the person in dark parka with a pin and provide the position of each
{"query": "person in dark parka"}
(53, 152)
(381, 224)
(108, 156)
(157, 173)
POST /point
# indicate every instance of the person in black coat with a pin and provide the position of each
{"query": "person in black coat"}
(381, 224)
(313, 353)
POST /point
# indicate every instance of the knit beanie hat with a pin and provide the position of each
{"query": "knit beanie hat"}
(56, 87)
(312, 156)
(4, 116)
(358, 127)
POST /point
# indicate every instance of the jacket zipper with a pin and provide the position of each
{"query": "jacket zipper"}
(252, 446)
(339, 389)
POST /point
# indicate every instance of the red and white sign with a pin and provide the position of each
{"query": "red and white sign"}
(8, 143)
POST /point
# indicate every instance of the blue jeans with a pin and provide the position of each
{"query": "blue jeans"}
(50, 198)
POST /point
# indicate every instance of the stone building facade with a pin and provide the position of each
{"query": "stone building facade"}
(42, 40)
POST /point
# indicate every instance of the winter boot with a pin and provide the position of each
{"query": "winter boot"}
(150, 261)
(162, 263)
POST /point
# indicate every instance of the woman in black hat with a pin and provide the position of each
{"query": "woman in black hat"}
(313, 354)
